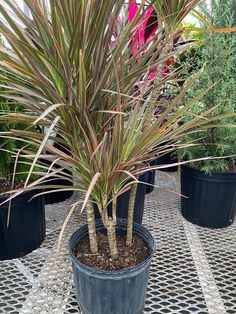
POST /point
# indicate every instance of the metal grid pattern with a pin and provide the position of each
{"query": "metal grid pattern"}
(193, 270)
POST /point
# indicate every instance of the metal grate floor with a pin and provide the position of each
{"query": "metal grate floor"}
(193, 271)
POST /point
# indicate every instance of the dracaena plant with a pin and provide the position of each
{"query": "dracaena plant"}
(72, 68)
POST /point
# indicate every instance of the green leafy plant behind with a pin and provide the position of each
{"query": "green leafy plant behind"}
(79, 81)
(218, 56)
(10, 146)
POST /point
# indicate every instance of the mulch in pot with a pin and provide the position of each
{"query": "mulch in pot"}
(6, 185)
(129, 256)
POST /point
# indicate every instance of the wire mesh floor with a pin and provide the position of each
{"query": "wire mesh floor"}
(193, 270)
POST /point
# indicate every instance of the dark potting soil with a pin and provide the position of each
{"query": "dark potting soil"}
(6, 185)
(128, 255)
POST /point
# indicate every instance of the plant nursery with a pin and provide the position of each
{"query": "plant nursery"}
(118, 156)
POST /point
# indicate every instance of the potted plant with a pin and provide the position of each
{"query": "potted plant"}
(22, 220)
(75, 73)
(210, 185)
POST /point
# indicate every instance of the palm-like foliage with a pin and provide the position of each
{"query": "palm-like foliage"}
(172, 12)
(78, 79)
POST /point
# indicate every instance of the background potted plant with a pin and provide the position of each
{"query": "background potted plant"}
(22, 220)
(79, 82)
(210, 185)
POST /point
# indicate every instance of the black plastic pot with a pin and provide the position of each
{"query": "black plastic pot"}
(211, 198)
(111, 292)
(167, 159)
(150, 180)
(123, 203)
(26, 230)
(151, 177)
(60, 196)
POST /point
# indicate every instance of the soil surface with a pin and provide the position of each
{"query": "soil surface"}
(6, 185)
(128, 255)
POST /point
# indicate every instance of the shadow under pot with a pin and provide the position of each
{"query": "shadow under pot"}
(26, 230)
(211, 198)
(123, 203)
(111, 292)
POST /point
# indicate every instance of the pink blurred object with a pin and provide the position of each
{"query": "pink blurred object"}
(143, 32)
(144, 29)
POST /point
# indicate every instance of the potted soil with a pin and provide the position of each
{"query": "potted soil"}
(210, 185)
(84, 88)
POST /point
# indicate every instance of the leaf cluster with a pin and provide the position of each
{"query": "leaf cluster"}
(79, 81)
(217, 56)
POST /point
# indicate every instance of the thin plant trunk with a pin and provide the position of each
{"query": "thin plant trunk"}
(111, 235)
(91, 228)
(110, 224)
(129, 236)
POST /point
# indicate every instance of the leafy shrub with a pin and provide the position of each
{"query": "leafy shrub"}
(217, 56)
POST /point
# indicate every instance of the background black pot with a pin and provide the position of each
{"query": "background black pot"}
(111, 292)
(123, 202)
(60, 196)
(26, 230)
(55, 197)
(211, 198)
(151, 177)
(168, 159)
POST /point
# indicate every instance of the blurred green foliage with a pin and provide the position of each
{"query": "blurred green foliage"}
(217, 56)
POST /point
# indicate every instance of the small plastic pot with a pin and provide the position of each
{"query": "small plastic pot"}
(111, 292)
(26, 230)
(211, 198)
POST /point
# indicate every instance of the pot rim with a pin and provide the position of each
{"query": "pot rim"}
(120, 223)
(23, 193)
(208, 174)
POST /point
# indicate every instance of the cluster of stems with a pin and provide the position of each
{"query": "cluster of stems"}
(109, 223)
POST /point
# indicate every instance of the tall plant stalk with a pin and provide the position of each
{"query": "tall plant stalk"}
(91, 227)
(129, 235)
(110, 224)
